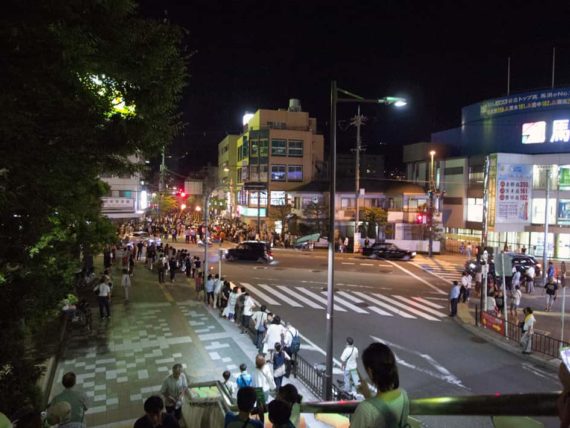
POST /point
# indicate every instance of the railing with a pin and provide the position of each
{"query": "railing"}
(313, 378)
(540, 342)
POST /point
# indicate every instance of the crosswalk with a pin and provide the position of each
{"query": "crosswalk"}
(347, 301)
(439, 268)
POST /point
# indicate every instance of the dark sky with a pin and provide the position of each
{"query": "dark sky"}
(441, 55)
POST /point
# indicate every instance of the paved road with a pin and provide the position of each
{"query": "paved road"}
(397, 303)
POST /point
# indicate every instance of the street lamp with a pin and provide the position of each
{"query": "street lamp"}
(430, 208)
(352, 98)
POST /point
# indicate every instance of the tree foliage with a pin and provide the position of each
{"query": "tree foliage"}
(316, 215)
(280, 213)
(85, 85)
(374, 217)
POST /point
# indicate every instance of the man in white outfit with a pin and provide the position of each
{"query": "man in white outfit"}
(348, 360)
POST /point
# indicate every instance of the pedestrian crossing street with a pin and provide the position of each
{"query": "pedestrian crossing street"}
(358, 302)
(439, 268)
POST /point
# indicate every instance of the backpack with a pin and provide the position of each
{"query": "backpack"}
(296, 343)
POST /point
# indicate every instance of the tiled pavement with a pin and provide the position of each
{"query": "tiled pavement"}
(125, 358)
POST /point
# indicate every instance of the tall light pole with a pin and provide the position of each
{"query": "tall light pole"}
(431, 195)
(353, 98)
(357, 121)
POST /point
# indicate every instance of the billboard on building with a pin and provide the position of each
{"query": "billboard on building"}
(512, 197)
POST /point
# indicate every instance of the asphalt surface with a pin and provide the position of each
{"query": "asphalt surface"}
(397, 303)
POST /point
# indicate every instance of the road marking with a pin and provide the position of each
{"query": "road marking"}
(261, 294)
(427, 302)
(320, 299)
(280, 295)
(433, 287)
(371, 308)
(539, 372)
(406, 307)
(384, 305)
(347, 263)
(348, 304)
(441, 372)
(299, 297)
(366, 264)
(422, 307)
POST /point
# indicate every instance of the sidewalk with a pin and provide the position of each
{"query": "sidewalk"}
(125, 358)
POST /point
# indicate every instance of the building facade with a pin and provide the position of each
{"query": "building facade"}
(277, 151)
(524, 138)
(127, 198)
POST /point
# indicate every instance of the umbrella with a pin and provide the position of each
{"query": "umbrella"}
(308, 238)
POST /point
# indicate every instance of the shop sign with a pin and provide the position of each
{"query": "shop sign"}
(513, 191)
(536, 132)
(492, 322)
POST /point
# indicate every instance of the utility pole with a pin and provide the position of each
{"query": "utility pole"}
(485, 234)
(161, 180)
(547, 203)
(430, 202)
(357, 121)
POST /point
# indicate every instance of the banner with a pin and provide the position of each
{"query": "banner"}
(513, 192)
(491, 322)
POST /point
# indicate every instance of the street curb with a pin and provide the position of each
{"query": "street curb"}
(467, 321)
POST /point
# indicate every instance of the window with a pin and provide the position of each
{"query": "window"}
(244, 173)
(347, 203)
(253, 199)
(278, 172)
(475, 209)
(296, 148)
(263, 172)
(564, 211)
(125, 194)
(278, 147)
(295, 173)
(278, 198)
(254, 173)
(538, 205)
(263, 149)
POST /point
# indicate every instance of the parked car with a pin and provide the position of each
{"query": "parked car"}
(387, 250)
(259, 251)
(519, 261)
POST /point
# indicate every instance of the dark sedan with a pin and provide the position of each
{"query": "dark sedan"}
(520, 262)
(250, 250)
(387, 251)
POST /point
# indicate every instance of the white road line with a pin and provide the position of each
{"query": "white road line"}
(419, 306)
(406, 307)
(427, 302)
(347, 304)
(366, 264)
(261, 294)
(433, 287)
(299, 297)
(384, 305)
(371, 308)
(347, 263)
(276, 293)
(320, 299)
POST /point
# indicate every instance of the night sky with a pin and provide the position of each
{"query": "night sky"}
(439, 55)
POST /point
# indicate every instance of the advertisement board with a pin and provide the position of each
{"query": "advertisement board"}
(492, 322)
(513, 193)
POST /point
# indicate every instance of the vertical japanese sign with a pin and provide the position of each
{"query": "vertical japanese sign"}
(512, 200)
(492, 186)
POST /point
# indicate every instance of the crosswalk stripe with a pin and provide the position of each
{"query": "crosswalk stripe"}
(422, 307)
(320, 299)
(299, 297)
(348, 304)
(276, 293)
(413, 311)
(427, 302)
(260, 294)
(384, 305)
(370, 308)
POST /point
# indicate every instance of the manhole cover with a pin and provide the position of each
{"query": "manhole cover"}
(478, 339)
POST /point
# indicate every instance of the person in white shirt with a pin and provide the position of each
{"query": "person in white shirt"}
(230, 385)
(247, 312)
(348, 360)
(260, 318)
(173, 389)
(515, 301)
(516, 279)
(219, 282)
(103, 297)
(528, 330)
(465, 286)
(274, 334)
(530, 274)
(126, 283)
(262, 377)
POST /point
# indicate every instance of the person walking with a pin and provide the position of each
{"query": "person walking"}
(260, 318)
(279, 360)
(274, 334)
(172, 266)
(218, 284)
(126, 283)
(516, 296)
(348, 361)
(530, 275)
(527, 330)
(210, 285)
(173, 389)
(76, 399)
(262, 377)
(465, 290)
(103, 297)
(454, 298)
(247, 313)
(551, 290)
(244, 378)
(232, 304)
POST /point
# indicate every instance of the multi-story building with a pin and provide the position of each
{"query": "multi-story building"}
(278, 150)
(525, 137)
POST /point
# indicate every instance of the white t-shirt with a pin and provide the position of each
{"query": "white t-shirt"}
(104, 289)
(466, 281)
(247, 306)
(264, 378)
(290, 333)
(273, 335)
(349, 357)
(367, 415)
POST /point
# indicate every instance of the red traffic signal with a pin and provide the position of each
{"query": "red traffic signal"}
(183, 194)
(419, 219)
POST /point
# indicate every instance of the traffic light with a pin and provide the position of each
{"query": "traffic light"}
(420, 219)
(182, 194)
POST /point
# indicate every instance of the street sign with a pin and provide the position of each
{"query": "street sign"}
(255, 185)
(506, 263)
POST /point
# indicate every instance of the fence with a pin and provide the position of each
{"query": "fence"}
(540, 342)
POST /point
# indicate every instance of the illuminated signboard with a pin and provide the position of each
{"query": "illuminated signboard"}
(534, 132)
(560, 131)
(250, 212)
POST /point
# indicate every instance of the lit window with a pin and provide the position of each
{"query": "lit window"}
(278, 147)
(278, 172)
(295, 173)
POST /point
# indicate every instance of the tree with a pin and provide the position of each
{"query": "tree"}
(374, 217)
(317, 213)
(280, 213)
(90, 85)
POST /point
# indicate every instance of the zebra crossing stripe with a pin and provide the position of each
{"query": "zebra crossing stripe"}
(276, 293)
(348, 304)
(427, 302)
(422, 307)
(320, 299)
(261, 294)
(370, 308)
(299, 297)
(384, 305)
(402, 305)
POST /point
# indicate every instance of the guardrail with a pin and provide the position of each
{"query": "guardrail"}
(541, 343)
